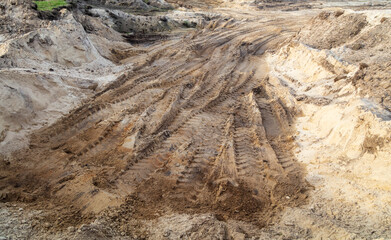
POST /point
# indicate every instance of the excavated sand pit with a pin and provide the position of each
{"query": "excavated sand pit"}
(249, 125)
(192, 135)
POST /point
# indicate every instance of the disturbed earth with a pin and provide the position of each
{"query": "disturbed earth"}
(195, 120)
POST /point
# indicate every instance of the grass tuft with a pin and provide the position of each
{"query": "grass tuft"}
(50, 4)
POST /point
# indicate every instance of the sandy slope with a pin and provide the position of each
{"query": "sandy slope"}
(342, 136)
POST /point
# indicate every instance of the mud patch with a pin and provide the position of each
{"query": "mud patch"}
(160, 196)
(144, 38)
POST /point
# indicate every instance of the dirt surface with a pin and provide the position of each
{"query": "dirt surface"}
(182, 138)
(220, 120)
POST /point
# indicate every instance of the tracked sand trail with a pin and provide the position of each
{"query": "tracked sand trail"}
(257, 124)
(193, 128)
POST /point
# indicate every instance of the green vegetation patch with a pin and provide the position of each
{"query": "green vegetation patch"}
(50, 4)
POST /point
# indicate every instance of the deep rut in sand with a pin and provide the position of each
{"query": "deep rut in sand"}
(193, 128)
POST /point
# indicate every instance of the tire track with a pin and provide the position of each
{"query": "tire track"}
(195, 118)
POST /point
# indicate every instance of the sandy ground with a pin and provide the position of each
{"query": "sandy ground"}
(264, 122)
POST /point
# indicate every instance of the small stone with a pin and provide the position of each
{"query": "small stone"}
(357, 46)
(238, 236)
(363, 65)
(71, 229)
